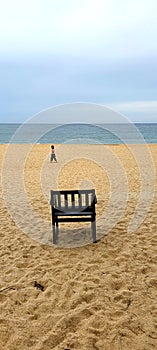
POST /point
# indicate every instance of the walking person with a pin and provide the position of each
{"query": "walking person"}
(53, 155)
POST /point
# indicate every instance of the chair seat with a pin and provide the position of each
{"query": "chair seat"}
(73, 213)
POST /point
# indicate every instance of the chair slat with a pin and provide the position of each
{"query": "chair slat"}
(66, 200)
(80, 201)
(87, 199)
(59, 200)
(73, 200)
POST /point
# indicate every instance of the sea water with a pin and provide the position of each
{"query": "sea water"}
(79, 133)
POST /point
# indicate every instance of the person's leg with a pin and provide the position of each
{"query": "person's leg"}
(53, 157)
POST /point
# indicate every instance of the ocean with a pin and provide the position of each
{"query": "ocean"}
(79, 133)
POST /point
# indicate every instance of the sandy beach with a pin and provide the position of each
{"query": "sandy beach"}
(96, 296)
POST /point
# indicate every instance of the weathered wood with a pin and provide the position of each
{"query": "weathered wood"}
(73, 206)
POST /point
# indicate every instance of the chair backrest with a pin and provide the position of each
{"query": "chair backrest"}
(73, 200)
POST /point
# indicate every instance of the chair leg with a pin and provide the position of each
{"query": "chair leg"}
(56, 230)
(54, 234)
(94, 231)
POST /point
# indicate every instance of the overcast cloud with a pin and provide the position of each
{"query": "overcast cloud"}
(55, 52)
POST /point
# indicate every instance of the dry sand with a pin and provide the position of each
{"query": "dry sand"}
(96, 296)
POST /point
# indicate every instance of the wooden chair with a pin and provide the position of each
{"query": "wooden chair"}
(73, 206)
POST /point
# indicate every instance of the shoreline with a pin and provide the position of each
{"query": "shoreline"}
(84, 144)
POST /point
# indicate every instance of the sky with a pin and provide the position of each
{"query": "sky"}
(65, 51)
